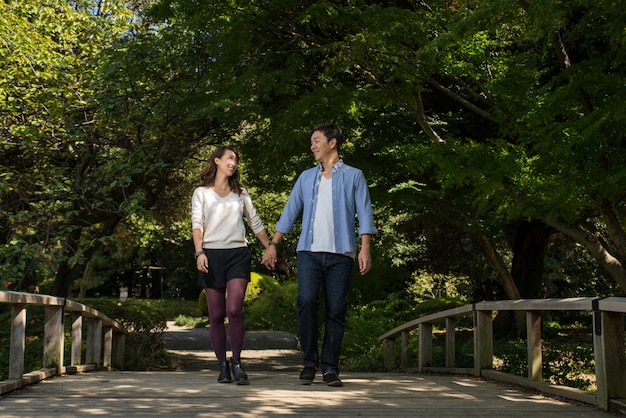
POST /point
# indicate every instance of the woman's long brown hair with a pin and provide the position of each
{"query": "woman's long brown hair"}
(208, 175)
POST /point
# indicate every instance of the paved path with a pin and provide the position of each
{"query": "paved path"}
(274, 390)
(263, 351)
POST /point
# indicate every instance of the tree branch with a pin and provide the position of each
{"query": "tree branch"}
(457, 98)
(614, 227)
(591, 240)
(510, 289)
(418, 114)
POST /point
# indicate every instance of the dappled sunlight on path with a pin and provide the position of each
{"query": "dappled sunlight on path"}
(192, 390)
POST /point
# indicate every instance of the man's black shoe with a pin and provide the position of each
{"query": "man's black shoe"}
(307, 375)
(331, 379)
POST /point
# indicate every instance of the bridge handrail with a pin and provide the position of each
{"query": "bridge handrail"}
(105, 339)
(436, 317)
(608, 343)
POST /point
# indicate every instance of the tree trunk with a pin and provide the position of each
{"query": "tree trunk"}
(502, 324)
(510, 288)
(529, 245)
(67, 274)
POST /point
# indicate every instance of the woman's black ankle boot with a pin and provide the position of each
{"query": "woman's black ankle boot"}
(241, 378)
(224, 373)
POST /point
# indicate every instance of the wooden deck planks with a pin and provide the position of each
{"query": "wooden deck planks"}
(197, 394)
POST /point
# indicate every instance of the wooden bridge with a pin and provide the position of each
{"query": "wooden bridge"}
(275, 390)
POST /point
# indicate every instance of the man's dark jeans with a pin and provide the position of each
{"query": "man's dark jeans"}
(332, 273)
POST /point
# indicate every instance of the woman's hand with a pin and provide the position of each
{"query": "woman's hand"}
(270, 257)
(202, 263)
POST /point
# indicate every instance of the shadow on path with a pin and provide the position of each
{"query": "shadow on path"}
(263, 350)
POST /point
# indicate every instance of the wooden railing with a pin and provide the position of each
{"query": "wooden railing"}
(607, 316)
(105, 339)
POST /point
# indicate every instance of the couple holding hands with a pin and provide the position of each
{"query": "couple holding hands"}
(329, 199)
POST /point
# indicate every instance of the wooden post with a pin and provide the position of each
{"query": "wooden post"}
(77, 338)
(608, 342)
(94, 341)
(54, 339)
(108, 347)
(404, 357)
(450, 343)
(425, 354)
(119, 347)
(533, 345)
(18, 341)
(483, 341)
(389, 353)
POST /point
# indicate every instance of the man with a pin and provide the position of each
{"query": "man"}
(330, 197)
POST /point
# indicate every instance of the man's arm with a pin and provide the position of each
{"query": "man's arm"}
(365, 258)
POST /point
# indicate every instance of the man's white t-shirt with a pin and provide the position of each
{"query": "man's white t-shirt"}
(324, 230)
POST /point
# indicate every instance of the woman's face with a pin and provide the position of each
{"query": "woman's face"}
(227, 163)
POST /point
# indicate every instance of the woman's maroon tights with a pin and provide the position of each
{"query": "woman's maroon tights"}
(222, 303)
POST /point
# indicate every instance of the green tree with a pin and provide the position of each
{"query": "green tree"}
(74, 161)
(499, 118)
(50, 53)
(483, 126)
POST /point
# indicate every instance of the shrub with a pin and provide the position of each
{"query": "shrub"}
(170, 308)
(33, 349)
(361, 349)
(274, 307)
(511, 357)
(202, 307)
(189, 321)
(145, 325)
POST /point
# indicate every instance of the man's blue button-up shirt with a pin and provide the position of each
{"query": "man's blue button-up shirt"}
(351, 202)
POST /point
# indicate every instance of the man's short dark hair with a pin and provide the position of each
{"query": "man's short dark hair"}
(330, 131)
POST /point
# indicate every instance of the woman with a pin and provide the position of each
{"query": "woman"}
(222, 255)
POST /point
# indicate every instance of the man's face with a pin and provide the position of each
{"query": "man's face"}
(321, 147)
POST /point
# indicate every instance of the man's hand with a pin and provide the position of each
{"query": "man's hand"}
(365, 261)
(270, 257)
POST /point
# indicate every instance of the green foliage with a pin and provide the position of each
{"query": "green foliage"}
(569, 364)
(571, 271)
(33, 349)
(564, 364)
(191, 322)
(511, 357)
(567, 353)
(274, 308)
(468, 120)
(361, 349)
(476, 103)
(258, 282)
(436, 286)
(73, 117)
(144, 319)
(170, 308)
(201, 307)
(145, 325)
(54, 164)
